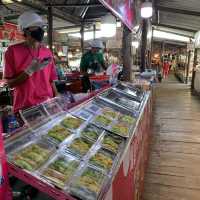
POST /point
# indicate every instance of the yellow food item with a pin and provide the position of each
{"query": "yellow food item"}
(103, 120)
(91, 180)
(121, 129)
(31, 157)
(71, 122)
(80, 146)
(111, 143)
(109, 113)
(102, 160)
(59, 133)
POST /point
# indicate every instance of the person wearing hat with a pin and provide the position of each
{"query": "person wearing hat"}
(92, 62)
(29, 66)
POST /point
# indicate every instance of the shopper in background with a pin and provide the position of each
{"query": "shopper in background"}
(92, 62)
(29, 66)
(165, 69)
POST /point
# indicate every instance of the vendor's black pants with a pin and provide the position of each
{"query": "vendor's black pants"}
(86, 85)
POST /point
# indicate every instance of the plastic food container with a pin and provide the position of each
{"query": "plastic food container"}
(83, 114)
(89, 184)
(102, 121)
(103, 159)
(121, 129)
(60, 169)
(72, 122)
(32, 155)
(58, 134)
(92, 107)
(126, 119)
(110, 113)
(79, 146)
(113, 142)
(91, 132)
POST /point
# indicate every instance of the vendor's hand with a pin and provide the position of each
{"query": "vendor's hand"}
(37, 65)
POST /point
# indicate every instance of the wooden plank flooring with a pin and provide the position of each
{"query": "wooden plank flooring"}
(174, 165)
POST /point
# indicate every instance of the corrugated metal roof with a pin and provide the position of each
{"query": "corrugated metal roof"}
(183, 14)
(67, 13)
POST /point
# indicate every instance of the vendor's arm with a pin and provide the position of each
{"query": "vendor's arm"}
(53, 78)
(19, 79)
(102, 61)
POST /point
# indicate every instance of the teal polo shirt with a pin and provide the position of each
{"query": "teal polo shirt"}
(89, 59)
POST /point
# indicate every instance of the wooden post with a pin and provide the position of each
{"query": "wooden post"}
(193, 69)
(188, 67)
(143, 46)
(82, 37)
(94, 31)
(126, 54)
(50, 27)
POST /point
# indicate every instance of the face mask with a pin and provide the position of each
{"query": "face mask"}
(37, 34)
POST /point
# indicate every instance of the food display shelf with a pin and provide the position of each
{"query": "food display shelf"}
(122, 100)
(128, 89)
(90, 145)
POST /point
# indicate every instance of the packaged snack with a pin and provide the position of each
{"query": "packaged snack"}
(102, 121)
(110, 113)
(121, 129)
(103, 159)
(91, 132)
(80, 146)
(32, 157)
(60, 170)
(89, 184)
(112, 142)
(58, 133)
(72, 122)
(126, 119)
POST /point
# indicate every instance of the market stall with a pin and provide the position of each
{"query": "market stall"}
(97, 149)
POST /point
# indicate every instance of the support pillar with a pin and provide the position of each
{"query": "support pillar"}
(188, 67)
(82, 37)
(143, 46)
(50, 28)
(194, 69)
(94, 31)
(126, 54)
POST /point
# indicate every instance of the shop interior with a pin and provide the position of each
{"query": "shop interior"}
(96, 143)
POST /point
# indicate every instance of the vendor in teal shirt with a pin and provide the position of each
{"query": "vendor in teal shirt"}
(93, 61)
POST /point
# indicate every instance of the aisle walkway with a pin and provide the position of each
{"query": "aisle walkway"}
(174, 166)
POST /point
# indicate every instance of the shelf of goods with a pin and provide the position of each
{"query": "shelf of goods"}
(95, 150)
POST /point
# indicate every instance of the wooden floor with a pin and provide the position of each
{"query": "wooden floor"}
(174, 166)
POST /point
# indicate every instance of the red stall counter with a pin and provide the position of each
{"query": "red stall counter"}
(5, 191)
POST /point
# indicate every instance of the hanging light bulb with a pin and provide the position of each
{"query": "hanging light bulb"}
(108, 26)
(146, 10)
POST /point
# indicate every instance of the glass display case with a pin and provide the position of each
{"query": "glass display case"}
(78, 151)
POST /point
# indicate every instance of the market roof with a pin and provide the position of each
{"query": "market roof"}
(66, 12)
(178, 14)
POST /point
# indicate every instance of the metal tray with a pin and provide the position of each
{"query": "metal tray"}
(89, 184)
(104, 160)
(32, 155)
(121, 99)
(131, 91)
(59, 170)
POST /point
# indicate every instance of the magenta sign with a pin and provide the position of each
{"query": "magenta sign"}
(124, 9)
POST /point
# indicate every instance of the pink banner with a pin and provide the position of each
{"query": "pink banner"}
(124, 9)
